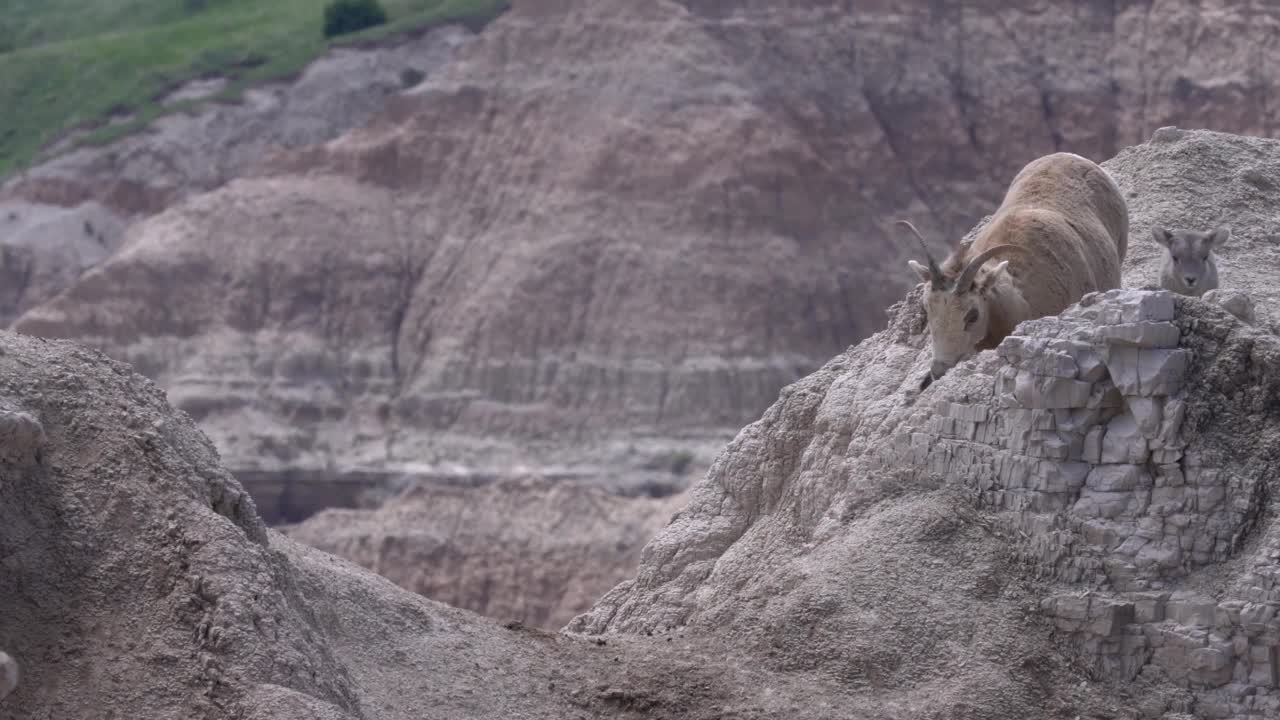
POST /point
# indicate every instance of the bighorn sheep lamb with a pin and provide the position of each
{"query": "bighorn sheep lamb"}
(1190, 267)
(1063, 225)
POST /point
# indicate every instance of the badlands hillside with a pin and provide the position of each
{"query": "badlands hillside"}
(592, 244)
(67, 215)
(606, 232)
(1080, 523)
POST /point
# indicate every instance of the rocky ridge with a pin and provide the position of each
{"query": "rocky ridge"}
(1123, 455)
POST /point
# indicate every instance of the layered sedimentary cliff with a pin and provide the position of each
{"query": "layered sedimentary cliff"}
(613, 216)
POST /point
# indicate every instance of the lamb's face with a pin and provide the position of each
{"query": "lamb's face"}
(1190, 262)
(957, 323)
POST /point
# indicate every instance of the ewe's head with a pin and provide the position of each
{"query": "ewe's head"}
(1190, 259)
(958, 308)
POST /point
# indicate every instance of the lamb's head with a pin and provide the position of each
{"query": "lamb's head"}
(958, 308)
(1189, 267)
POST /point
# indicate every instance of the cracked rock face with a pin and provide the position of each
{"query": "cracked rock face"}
(1122, 455)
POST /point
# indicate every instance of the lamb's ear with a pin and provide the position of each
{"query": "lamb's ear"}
(1162, 236)
(921, 270)
(1219, 237)
(989, 278)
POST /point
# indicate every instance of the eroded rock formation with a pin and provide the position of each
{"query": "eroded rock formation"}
(1121, 458)
(1162, 179)
(1122, 455)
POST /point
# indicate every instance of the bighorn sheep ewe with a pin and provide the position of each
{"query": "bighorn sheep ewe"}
(1190, 267)
(1064, 227)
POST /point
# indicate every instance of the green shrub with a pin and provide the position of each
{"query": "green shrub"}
(347, 16)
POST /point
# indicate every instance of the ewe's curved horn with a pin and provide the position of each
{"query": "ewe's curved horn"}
(970, 272)
(937, 280)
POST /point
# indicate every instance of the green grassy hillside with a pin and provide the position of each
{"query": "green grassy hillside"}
(74, 63)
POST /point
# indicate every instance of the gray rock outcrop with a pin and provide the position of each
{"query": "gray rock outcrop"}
(1123, 454)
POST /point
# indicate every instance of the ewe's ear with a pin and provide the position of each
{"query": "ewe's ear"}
(1219, 237)
(922, 271)
(1162, 236)
(989, 278)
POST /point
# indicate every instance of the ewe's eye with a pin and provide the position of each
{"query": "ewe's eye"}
(970, 318)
